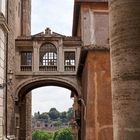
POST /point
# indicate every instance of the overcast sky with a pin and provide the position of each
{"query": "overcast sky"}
(57, 15)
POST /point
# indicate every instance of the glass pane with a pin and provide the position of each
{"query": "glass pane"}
(26, 58)
(48, 53)
(69, 58)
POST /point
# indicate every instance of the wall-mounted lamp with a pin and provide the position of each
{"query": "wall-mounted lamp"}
(10, 76)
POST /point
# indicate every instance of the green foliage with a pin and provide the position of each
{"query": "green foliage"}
(58, 119)
(63, 117)
(36, 115)
(54, 117)
(54, 114)
(42, 135)
(70, 114)
(57, 124)
(44, 117)
(63, 134)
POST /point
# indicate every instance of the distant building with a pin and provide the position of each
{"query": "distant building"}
(47, 126)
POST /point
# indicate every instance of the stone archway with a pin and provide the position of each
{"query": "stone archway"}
(27, 85)
(23, 100)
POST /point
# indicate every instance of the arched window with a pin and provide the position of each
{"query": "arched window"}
(48, 57)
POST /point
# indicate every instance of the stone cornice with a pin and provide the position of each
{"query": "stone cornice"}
(85, 50)
(96, 47)
(3, 23)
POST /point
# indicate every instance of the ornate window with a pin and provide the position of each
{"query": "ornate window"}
(48, 57)
(69, 61)
(26, 61)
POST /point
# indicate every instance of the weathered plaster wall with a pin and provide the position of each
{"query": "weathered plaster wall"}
(94, 24)
(97, 95)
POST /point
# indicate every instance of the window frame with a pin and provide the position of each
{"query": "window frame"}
(48, 55)
(69, 61)
(25, 60)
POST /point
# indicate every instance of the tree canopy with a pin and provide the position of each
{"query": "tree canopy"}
(54, 114)
(63, 134)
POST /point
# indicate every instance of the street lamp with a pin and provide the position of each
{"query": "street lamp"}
(10, 76)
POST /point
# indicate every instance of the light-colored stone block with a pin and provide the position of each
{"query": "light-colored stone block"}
(1, 111)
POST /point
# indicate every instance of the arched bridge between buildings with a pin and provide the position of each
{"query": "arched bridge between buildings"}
(46, 59)
(69, 82)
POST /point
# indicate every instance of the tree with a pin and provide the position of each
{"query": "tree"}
(63, 117)
(36, 115)
(44, 117)
(70, 114)
(54, 114)
(42, 135)
(63, 134)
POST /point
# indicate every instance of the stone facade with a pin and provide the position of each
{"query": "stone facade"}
(15, 18)
(90, 83)
(92, 68)
(39, 73)
(3, 46)
(93, 27)
(125, 62)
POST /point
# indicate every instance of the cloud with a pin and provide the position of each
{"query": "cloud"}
(55, 14)
(45, 98)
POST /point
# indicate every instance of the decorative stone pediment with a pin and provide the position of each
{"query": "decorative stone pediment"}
(48, 33)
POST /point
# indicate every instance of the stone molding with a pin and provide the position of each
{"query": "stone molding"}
(3, 23)
(70, 82)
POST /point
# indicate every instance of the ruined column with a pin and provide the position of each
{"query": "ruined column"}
(125, 59)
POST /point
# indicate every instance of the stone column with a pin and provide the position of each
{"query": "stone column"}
(60, 57)
(125, 59)
(35, 62)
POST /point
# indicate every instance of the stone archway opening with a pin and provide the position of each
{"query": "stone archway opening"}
(23, 109)
(52, 111)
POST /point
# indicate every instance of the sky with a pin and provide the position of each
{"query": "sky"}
(58, 16)
(45, 98)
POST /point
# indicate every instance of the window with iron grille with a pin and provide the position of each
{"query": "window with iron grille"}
(26, 61)
(26, 58)
(48, 57)
(69, 61)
